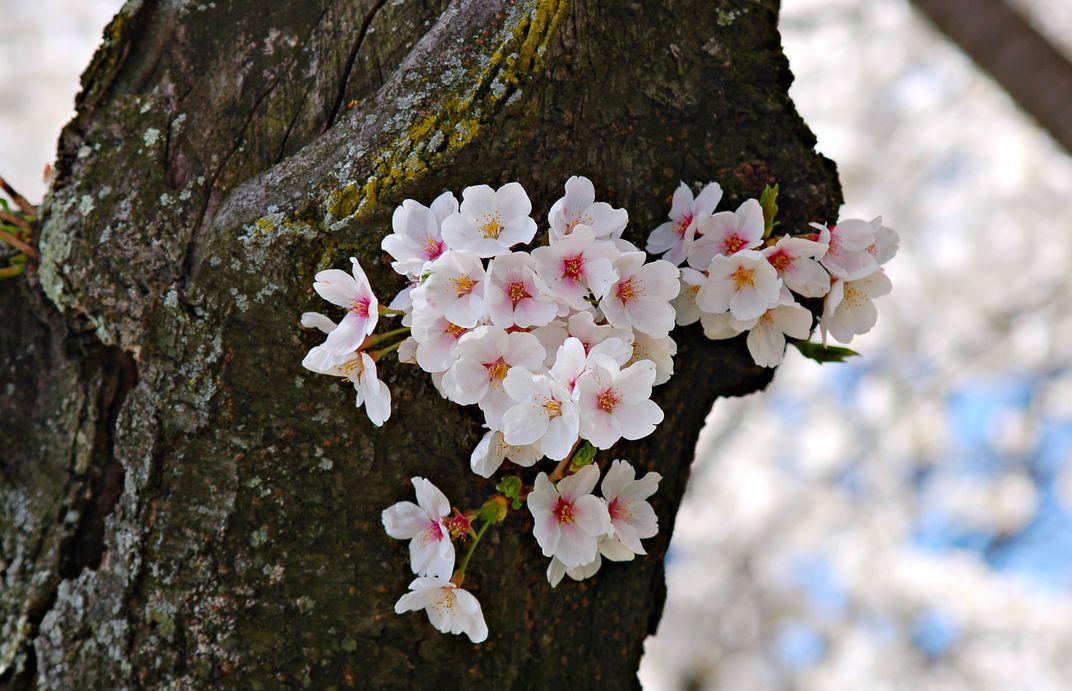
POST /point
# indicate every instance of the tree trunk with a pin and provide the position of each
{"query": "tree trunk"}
(183, 505)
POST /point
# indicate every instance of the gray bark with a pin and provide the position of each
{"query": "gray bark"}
(183, 505)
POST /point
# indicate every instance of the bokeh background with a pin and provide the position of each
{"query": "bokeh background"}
(901, 521)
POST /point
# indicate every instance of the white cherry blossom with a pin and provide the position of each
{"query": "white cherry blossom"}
(766, 335)
(455, 288)
(489, 222)
(437, 340)
(579, 207)
(660, 351)
(583, 327)
(492, 450)
(796, 261)
(485, 357)
(685, 308)
(616, 403)
(544, 413)
(430, 549)
(886, 242)
(576, 266)
(450, 608)
(631, 516)
(353, 292)
(675, 237)
(727, 233)
(516, 295)
(359, 368)
(745, 284)
(640, 297)
(416, 240)
(848, 256)
(848, 309)
(567, 519)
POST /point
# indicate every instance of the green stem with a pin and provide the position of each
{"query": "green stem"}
(12, 271)
(25, 248)
(373, 340)
(377, 354)
(459, 575)
(390, 312)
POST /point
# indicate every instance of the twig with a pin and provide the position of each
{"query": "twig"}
(20, 201)
(14, 220)
(25, 248)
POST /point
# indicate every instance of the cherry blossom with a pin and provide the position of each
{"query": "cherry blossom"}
(685, 308)
(455, 288)
(576, 266)
(492, 450)
(745, 284)
(568, 520)
(544, 413)
(416, 240)
(437, 340)
(848, 256)
(766, 336)
(796, 261)
(485, 357)
(675, 237)
(640, 297)
(616, 403)
(727, 233)
(353, 292)
(660, 351)
(450, 608)
(631, 516)
(430, 549)
(516, 295)
(848, 309)
(579, 207)
(360, 369)
(489, 222)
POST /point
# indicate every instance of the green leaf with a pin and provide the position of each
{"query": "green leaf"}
(823, 353)
(768, 200)
(583, 456)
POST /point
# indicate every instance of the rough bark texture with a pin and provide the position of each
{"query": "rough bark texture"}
(182, 504)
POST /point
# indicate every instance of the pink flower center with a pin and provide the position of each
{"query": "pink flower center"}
(608, 399)
(517, 293)
(780, 261)
(563, 511)
(619, 511)
(432, 532)
(626, 290)
(433, 248)
(682, 225)
(360, 307)
(572, 267)
(733, 243)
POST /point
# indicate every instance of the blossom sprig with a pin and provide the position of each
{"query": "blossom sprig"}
(560, 346)
(740, 278)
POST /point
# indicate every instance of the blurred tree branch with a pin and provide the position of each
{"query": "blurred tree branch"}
(1003, 43)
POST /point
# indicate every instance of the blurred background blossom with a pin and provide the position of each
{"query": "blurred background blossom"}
(902, 521)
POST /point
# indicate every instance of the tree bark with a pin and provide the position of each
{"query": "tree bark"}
(182, 504)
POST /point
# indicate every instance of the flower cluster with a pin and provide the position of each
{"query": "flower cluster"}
(739, 278)
(560, 346)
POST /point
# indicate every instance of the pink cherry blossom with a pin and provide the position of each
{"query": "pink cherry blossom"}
(430, 549)
(544, 412)
(416, 240)
(579, 207)
(848, 256)
(492, 450)
(848, 309)
(455, 288)
(631, 516)
(576, 266)
(796, 261)
(675, 237)
(616, 403)
(727, 233)
(355, 294)
(568, 520)
(640, 297)
(360, 369)
(516, 295)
